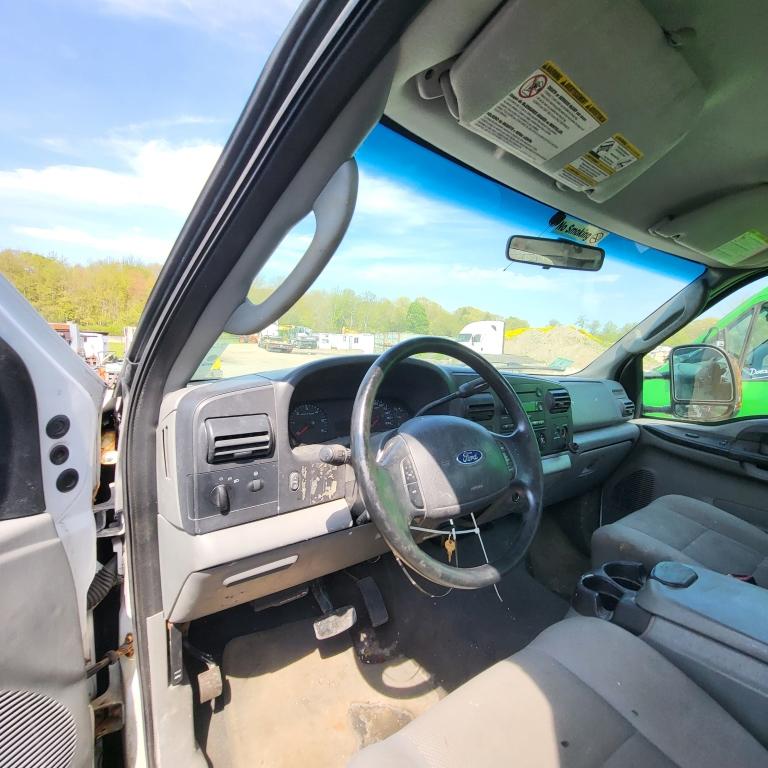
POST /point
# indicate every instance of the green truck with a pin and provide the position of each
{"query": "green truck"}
(743, 333)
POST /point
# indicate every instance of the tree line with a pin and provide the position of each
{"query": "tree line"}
(364, 312)
(109, 295)
(101, 296)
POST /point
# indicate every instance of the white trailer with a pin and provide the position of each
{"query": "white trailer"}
(346, 342)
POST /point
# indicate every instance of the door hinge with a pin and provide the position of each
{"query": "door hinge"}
(108, 709)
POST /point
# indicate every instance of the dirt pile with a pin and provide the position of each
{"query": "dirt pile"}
(546, 345)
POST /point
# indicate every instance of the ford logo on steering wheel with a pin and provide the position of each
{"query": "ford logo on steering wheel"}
(469, 457)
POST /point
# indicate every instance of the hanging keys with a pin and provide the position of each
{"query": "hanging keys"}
(450, 547)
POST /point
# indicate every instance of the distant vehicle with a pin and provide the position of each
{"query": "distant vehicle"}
(285, 338)
(484, 336)
(303, 337)
(276, 338)
(276, 344)
(743, 334)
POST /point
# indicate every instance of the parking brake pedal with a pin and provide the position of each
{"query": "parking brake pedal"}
(210, 682)
(333, 621)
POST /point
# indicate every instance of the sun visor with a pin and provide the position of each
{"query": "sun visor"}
(591, 92)
(732, 230)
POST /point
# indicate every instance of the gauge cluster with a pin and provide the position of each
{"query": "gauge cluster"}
(324, 420)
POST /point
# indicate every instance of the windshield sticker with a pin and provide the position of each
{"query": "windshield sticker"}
(541, 117)
(575, 229)
(610, 156)
(742, 247)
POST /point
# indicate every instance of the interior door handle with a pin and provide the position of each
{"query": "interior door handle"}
(755, 472)
(749, 457)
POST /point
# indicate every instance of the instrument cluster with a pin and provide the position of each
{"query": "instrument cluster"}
(324, 420)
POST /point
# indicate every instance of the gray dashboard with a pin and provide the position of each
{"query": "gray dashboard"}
(247, 506)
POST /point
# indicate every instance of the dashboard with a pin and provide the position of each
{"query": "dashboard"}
(250, 503)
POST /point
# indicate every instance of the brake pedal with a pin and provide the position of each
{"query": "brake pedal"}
(374, 601)
(334, 621)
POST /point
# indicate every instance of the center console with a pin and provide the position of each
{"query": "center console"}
(713, 627)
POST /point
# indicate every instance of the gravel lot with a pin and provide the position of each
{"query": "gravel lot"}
(239, 359)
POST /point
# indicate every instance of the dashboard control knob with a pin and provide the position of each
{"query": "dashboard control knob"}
(335, 454)
(256, 485)
(220, 498)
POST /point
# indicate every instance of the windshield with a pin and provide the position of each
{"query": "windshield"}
(425, 254)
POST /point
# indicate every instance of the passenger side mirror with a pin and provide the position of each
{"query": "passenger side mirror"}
(704, 383)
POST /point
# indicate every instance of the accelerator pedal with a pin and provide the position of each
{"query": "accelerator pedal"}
(334, 621)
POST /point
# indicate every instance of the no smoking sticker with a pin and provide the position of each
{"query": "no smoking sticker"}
(533, 86)
(576, 229)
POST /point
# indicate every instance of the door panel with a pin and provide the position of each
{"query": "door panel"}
(49, 438)
(725, 465)
(44, 713)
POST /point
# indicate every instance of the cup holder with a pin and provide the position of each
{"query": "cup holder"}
(626, 574)
(596, 595)
(599, 592)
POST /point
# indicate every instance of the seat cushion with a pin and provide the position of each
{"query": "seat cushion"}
(687, 530)
(583, 693)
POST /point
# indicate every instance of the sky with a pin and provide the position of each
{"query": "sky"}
(425, 226)
(113, 113)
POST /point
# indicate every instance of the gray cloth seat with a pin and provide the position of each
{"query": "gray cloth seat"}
(583, 693)
(687, 530)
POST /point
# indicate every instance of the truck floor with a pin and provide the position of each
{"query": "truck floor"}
(293, 701)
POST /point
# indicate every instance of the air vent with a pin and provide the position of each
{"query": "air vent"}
(627, 408)
(481, 411)
(238, 438)
(558, 400)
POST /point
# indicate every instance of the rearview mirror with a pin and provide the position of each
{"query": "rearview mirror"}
(704, 384)
(561, 254)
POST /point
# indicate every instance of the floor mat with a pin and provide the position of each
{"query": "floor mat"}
(292, 703)
(554, 560)
(460, 634)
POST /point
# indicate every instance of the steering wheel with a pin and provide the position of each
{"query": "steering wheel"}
(436, 468)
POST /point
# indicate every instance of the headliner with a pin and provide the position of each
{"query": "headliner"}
(722, 153)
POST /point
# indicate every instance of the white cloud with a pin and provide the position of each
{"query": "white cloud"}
(403, 207)
(157, 174)
(243, 15)
(144, 247)
(162, 123)
(608, 277)
(432, 275)
(286, 256)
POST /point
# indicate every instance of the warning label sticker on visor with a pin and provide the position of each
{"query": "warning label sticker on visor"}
(610, 156)
(743, 247)
(544, 115)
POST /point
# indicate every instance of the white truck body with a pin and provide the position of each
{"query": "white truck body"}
(484, 336)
